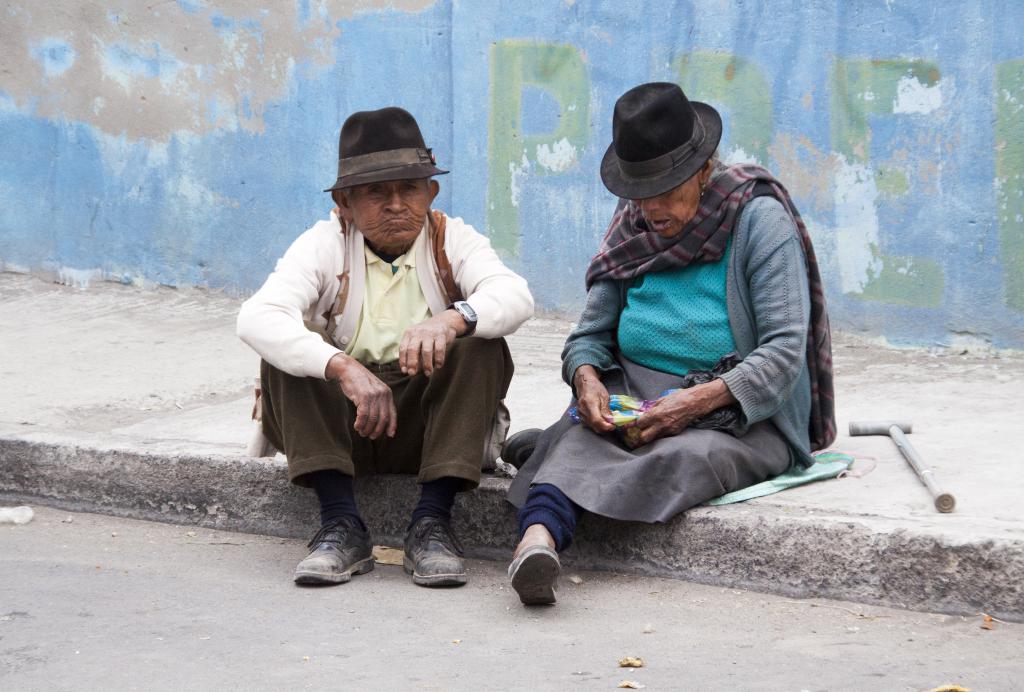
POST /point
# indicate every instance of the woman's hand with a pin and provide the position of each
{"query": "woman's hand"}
(672, 414)
(592, 400)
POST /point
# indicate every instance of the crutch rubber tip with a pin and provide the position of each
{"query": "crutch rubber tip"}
(945, 503)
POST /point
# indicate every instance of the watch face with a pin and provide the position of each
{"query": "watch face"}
(466, 310)
(468, 315)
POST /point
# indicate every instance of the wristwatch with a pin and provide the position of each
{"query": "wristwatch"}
(468, 314)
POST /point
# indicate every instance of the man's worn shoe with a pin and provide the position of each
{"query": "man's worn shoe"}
(337, 552)
(433, 556)
(534, 574)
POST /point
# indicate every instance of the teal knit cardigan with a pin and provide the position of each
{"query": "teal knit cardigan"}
(769, 309)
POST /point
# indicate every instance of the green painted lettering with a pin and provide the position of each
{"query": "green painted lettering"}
(559, 70)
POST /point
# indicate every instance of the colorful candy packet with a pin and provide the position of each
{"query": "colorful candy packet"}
(626, 411)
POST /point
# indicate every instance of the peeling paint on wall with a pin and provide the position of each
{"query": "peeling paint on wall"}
(862, 89)
(912, 96)
(150, 69)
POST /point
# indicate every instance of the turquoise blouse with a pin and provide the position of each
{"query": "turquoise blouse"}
(677, 320)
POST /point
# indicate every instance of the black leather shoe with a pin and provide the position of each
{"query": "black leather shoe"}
(433, 555)
(337, 552)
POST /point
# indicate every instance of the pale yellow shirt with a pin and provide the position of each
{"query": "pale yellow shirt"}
(393, 302)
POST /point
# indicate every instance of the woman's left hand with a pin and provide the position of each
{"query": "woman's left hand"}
(672, 414)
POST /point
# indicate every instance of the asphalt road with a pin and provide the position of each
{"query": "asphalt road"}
(91, 602)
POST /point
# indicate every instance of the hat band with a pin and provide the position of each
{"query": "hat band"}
(382, 160)
(665, 162)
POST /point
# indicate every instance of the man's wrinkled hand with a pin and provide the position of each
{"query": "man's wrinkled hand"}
(376, 414)
(592, 400)
(425, 345)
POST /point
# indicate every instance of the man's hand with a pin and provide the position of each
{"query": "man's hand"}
(592, 400)
(425, 345)
(672, 414)
(375, 407)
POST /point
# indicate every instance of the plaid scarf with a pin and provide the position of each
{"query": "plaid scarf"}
(630, 249)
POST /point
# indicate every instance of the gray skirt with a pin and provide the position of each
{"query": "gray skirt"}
(655, 482)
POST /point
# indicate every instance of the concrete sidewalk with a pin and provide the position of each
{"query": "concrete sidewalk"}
(91, 602)
(136, 402)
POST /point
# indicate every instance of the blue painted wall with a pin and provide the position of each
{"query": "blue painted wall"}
(187, 142)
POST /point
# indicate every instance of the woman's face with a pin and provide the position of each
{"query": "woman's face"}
(668, 213)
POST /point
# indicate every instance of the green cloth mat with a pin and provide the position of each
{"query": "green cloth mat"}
(826, 465)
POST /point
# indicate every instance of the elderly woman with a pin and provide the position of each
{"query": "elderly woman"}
(706, 274)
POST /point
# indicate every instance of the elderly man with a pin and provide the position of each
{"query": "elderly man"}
(381, 335)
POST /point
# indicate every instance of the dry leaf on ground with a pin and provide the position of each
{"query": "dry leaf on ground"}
(631, 662)
(631, 685)
(950, 688)
(988, 623)
(384, 555)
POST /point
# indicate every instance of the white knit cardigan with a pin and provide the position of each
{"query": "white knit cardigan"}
(306, 282)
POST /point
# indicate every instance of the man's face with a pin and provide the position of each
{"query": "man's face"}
(668, 213)
(389, 214)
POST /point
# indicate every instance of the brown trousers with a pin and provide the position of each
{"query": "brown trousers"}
(443, 420)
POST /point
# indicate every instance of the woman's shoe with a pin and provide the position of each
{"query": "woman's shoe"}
(518, 448)
(534, 574)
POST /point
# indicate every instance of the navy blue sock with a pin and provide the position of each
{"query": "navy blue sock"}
(436, 498)
(547, 505)
(337, 497)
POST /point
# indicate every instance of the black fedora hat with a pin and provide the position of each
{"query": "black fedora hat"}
(659, 140)
(380, 145)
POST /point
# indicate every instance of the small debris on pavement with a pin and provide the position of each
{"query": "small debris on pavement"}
(631, 685)
(456, 641)
(13, 615)
(576, 579)
(950, 688)
(631, 662)
(67, 521)
(648, 628)
(16, 515)
(988, 622)
(384, 555)
(190, 534)
(113, 534)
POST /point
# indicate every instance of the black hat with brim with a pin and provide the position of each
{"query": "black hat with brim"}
(660, 139)
(382, 145)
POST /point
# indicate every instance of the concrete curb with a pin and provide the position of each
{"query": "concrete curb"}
(764, 548)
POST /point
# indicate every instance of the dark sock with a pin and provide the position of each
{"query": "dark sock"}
(337, 497)
(547, 505)
(437, 498)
